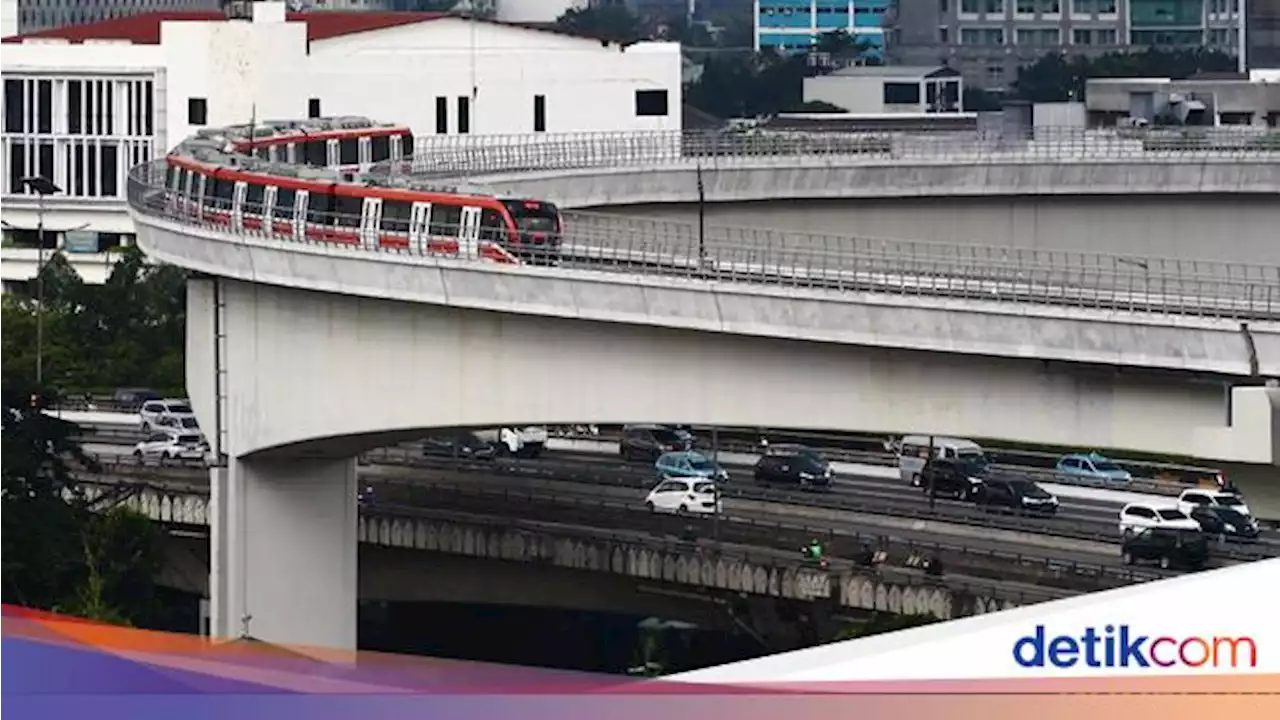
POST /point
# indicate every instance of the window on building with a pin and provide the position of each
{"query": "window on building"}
(971, 7)
(1081, 37)
(1037, 37)
(539, 113)
(901, 93)
(442, 116)
(993, 7)
(943, 6)
(14, 106)
(17, 167)
(1025, 7)
(313, 108)
(982, 36)
(1104, 37)
(651, 103)
(464, 115)
(44, 107)
(944, 34)
(108, 169)
(1050, 7)
(197, 111)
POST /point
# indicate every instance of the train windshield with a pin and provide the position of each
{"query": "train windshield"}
(534, 216)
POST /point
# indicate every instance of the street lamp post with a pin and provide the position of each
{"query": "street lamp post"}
(41, 186)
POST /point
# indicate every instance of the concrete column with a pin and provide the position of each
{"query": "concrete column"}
(283, 551)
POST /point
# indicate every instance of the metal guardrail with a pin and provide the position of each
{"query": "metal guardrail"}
(471, 155)
(840, 543)
(761, 557)
(627, 246)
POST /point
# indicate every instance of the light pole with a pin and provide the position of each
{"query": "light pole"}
(41, 186)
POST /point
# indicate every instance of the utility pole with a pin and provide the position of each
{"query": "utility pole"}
(932, 472)
(41, 186)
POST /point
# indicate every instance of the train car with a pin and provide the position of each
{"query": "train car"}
(348, 144)
(309, 204)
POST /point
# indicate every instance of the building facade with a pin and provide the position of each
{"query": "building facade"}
(988, 40)
(26, 16)
(84, 104)
(795, 25)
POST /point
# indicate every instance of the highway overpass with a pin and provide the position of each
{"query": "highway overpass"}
(302, 355)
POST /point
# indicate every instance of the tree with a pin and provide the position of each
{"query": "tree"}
(610, 23)
(1061, 78)
(60, 551)
(886, 622)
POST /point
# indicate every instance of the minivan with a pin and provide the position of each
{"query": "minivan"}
(967, 455)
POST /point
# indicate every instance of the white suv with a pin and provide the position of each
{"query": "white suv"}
(1139, 515)
(162, 413)
(684, 495)
(1191, 499)
(171, 445)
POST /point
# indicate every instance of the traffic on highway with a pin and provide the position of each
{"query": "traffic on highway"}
(946, 502)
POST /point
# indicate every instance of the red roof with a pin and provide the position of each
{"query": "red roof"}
(144, 29)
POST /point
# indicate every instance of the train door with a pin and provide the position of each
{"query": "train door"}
(300, 215)
(291, 153)
(469, 233)
(268, 208)
(331, 153)
(397, 147)
(197, 195)
(419, 227)
(365, 150)
(273, 153)
(371, 223)
(237, 204)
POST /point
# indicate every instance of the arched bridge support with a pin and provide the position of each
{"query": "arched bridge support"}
(283, 551)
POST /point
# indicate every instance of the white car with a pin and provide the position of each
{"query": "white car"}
(161, 413)
(525, 442)
(169, 445)
(1190, 499)
(684, 495)
(1136, 516)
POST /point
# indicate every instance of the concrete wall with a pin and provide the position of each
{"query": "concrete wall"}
(1227, 228)
(301, 367)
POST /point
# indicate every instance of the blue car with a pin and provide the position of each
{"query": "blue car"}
(689, 464)
(1094, 466)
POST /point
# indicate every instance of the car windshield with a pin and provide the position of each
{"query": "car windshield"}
(189, 422)
(704, 488)
(1232, 516)
(180, 409)
(667, 437)
(1171, 514)
(189, 439)
(702, 463)
(1106, 466)
(1028, 488)
(1230, 500)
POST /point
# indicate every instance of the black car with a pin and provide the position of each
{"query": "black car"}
(793, 465)
(1169, 548)
(649, 442)
(945, 477)
(133, 398)
(463, 445)
(1017, 495)
(1224, 520)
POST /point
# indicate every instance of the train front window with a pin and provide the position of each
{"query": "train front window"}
(379, 148)
(532, 216)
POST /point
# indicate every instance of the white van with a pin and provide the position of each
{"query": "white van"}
(914, 449)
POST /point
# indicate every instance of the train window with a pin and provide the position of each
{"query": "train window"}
(320, 209)
(406, 144)
(395, 216)
(379, 148)
(220, 193)
(263, 152)
(492, 225)
(445, 220)
(284, 204)
(253, 199)
(315, 153)
(349, 152)
(347, 211)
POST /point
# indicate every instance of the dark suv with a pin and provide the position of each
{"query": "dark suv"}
(793, 465)
(1016, 495)
(949, 477)
(649, 442)
(1169, 548)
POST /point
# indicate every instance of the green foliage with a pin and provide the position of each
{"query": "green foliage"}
(1061, 78)
(127, 332)
(59, 553)
(612, 23)
(880, 623)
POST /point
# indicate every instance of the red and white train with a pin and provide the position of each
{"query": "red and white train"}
(222, 177)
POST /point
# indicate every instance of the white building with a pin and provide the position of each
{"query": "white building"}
(83, 104)
(875, 89)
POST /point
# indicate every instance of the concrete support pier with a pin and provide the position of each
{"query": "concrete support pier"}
(284, 549)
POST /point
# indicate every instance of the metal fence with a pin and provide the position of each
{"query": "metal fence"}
(469, 155)
(741, 255)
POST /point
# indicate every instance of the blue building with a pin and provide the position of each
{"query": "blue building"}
(792, 25)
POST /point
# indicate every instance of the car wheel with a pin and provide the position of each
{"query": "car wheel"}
(684, 509)
(1165, 563)
(146, 426)
(1127, 558)
(650, 507)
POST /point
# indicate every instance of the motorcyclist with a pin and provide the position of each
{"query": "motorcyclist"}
(813, 550)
